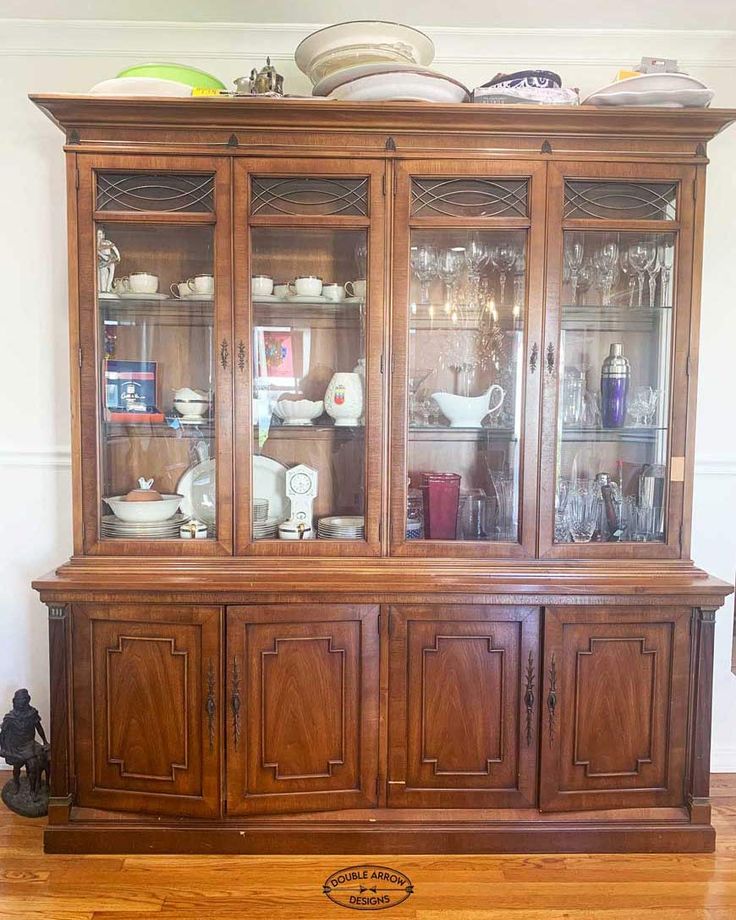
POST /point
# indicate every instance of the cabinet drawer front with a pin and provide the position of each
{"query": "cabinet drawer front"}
(302, 733)
(615, 697)
(463, 714)
(147, 708)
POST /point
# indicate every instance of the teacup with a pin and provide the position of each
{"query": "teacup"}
(180, 289)
(306, 286)
(201, 284)
(261, 285)
(137, 283)
(356, 288)
(281, 289)
(333, 291)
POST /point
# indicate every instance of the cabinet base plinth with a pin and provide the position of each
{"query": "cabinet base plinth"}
(298, 838)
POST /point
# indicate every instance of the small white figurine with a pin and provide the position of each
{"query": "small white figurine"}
(108, 257)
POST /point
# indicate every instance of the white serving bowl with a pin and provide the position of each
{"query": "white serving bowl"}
(347, 44)
(404, 86)
(144, 512)
(298, 411)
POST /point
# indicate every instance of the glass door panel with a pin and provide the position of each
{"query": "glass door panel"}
(465, 358)
(615, 370)
(614, 386)
(156, 340)
(468, 285)
(309, 294)
(309, 247)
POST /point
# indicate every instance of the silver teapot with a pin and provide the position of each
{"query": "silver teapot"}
(261, 82)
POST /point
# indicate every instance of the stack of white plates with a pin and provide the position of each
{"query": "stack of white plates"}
(373, 61)
(112, 527)
(266, 530)
(260, 510)
(341, 527)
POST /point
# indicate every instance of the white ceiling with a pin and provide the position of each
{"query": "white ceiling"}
(546, 14)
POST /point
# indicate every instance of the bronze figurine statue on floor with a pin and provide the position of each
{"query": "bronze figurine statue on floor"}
(25, 795)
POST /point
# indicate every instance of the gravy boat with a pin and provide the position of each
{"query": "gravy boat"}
(468, 411)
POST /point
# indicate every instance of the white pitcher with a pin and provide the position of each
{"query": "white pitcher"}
(469, 411)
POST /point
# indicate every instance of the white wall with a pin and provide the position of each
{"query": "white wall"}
(34, 436)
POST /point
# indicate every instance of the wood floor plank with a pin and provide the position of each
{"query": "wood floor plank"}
(510, 887)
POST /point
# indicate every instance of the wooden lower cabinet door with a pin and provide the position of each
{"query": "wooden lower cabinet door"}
(302, 727)
(147, 708)
(615, 707)
(463, 706)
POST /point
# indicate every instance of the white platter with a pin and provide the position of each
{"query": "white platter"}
(402, 87)
(132, 295)
(140, 86)
(269, 481)
(184, 486)
(345, 75)
(347, 44)
(671, 90)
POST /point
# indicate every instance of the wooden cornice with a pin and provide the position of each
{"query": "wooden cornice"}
(73, 113)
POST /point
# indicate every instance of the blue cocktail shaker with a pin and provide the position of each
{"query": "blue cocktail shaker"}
(615, 377)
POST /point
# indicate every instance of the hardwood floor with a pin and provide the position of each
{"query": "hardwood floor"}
(38, 887)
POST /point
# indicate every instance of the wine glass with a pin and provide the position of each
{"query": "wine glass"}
(424, 265)
(503, 258)
(641, 255)
(605, 261)
(574, 255)
(449, 265)
(477, 256)
(583, 510)
(665, 256)
(630, 272)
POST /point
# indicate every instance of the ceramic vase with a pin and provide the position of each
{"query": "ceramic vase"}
(344, 399)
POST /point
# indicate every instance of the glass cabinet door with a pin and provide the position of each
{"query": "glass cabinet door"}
(468, 276)
(155, 357)
(620, 302)
(309, 330)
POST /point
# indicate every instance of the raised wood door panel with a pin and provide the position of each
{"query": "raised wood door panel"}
(170, 216)
(623, 203)
(324, 217)
(444, 204)
(148, 708)
(463, 706)
(615, 707)
(302, 732)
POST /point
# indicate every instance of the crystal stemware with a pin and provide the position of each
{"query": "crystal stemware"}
(503, 258)
(641, 256)
(665, 257)
(605, 260)
(630, 272)
(583, 510)
(574, 255)
(449, 266)
(477, 255)
(424, 265)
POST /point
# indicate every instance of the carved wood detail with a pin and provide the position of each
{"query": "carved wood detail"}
(121, 672)
(529, 697)
(440, 693)
(552, 699)
(614, 709)
(292, 689)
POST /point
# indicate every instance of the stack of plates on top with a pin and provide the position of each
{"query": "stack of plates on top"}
(668, 90)
(530, 87)
(266, 530)
(112, 527)
(375, 62)
(341, 528)
(157, 79)
(260, 510)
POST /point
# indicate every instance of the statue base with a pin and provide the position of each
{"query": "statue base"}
(22, 802)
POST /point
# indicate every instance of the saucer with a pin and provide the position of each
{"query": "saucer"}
(307, 298)
(196, 297)
(352, 300)
(133, 295)
(265, 298)
(199, 420)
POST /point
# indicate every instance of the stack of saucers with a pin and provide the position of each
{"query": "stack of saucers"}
(266, 530)
(260, 510)
(341, 528)
(112, 527)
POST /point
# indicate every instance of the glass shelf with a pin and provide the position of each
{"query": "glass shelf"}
(637, 434)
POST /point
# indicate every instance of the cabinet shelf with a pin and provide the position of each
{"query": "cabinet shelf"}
(635, 435)
(314, 432)
(442, 434)
(587, 318)
(158, 430)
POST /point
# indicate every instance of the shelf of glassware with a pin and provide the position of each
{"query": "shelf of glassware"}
(579, 318)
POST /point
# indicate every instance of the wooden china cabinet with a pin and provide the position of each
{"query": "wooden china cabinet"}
(496, 639)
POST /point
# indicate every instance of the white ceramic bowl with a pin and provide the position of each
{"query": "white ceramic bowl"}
(347, 44)
(405, 86)
(192, 407)
(144, 512)
(298, 411)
